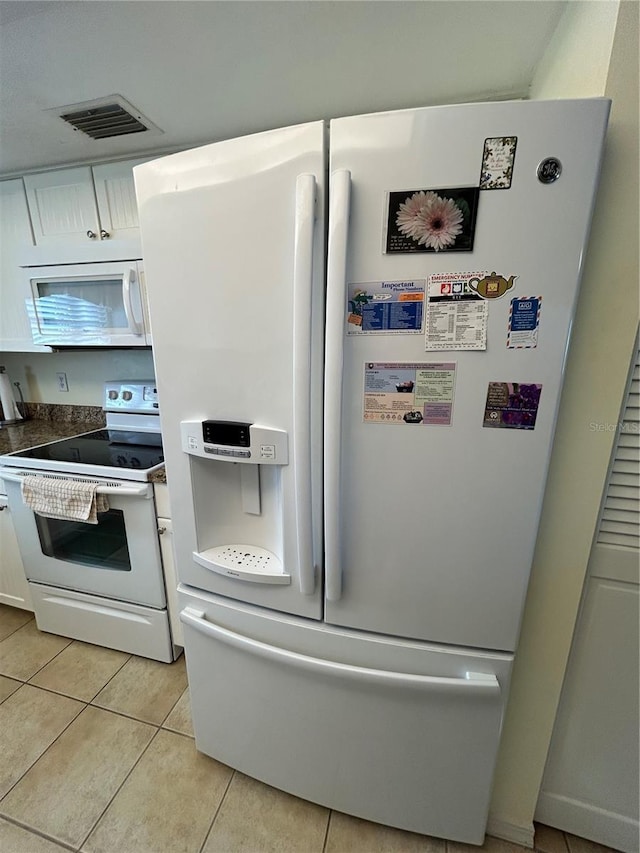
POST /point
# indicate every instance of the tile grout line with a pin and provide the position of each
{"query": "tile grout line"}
(109, 680)
(133, 767)
(217, 811)
(9, 695)
(33, 674)
(174, 705)
(326, 832)
(11, 633)
(130, 716)
(39, 833)
(44, 752)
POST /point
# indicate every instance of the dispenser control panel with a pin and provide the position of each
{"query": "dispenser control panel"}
(235, 441)
(227, 433)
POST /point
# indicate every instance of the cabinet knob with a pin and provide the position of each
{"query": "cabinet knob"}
(91, 235)
(162, 530)
(104, 234)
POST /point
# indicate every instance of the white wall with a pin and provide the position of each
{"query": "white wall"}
(576, 63)
(86, 371)
(601, 349)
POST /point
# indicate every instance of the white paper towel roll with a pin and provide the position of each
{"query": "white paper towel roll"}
(10, 411)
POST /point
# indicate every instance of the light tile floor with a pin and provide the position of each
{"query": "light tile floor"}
(97, 755)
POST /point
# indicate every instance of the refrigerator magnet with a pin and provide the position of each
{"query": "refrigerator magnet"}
(524, 320)
(456, 316)
(498, 157)
(385, 307)
(492, 286)
(431, 220)
(409, 393)
(512, 405)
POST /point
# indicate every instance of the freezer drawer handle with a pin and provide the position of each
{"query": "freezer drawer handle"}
(339, 194)
(302, 304)
(473, 682)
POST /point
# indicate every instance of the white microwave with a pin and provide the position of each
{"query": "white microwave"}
(89, 305)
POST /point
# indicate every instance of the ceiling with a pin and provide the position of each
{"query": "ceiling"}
(208, 70)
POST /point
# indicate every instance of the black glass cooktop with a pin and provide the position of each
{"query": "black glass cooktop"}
(111, 447)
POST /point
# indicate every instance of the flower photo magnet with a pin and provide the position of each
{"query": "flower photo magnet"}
(431, 220)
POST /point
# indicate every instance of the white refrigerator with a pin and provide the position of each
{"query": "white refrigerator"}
(360, 330)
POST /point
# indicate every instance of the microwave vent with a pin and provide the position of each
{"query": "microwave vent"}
(105, 118)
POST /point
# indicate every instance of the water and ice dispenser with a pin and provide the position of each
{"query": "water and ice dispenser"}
(236, 472)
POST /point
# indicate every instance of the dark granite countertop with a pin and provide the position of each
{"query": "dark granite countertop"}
(34, 432)
(49, 423)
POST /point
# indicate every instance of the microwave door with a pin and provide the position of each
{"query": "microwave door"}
(87, 307)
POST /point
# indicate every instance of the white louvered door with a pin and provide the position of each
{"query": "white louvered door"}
(620, 521)
(590, 785)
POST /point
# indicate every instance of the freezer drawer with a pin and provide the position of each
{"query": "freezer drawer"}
(401, 733)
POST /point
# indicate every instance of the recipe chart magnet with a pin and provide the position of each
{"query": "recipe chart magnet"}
(512, 405)
(403, 393)
(433, 220)
(524, 320)
(456, 316)
(385, 307)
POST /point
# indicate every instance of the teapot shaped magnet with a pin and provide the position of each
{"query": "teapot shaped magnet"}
(492, 286)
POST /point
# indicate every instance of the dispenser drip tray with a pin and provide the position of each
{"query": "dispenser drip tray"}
(244, 562)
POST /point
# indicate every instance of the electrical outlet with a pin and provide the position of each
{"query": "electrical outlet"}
(63, 385)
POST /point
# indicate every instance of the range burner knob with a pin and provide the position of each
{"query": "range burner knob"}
(127, 395)
(113, 395)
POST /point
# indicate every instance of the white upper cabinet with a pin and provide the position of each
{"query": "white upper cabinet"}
(15, 238)
(62, 206)
(116, 197)
(83, 205)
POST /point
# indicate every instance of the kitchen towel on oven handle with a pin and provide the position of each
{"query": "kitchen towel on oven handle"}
(68, 500)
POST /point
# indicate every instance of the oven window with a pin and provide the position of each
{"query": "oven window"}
(101, 546)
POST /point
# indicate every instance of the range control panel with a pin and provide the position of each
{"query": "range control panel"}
(129, 395)
(235, 441)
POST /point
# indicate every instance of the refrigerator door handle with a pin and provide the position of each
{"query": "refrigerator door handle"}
(302, 287)
(127, 282)
(340, 195)
(480, 683)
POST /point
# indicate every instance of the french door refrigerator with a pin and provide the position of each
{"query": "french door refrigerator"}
(359, 336)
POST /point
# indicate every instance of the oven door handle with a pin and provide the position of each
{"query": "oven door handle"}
(130, 490)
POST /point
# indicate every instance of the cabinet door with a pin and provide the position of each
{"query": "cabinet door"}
(15, 236)
(116, 197)
(63, 206)
(14, 589)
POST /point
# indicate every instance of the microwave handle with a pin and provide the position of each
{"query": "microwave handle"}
(127, 281)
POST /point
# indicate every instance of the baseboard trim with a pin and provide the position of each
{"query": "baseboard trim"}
(588, 821)
(511, 831)
(14, 601)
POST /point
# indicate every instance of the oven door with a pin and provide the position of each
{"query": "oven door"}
(88, 305)
(117, 558)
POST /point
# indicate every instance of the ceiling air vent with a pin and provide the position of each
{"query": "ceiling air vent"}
(105, 118)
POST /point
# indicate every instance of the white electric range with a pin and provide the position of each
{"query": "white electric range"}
(102, 583)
